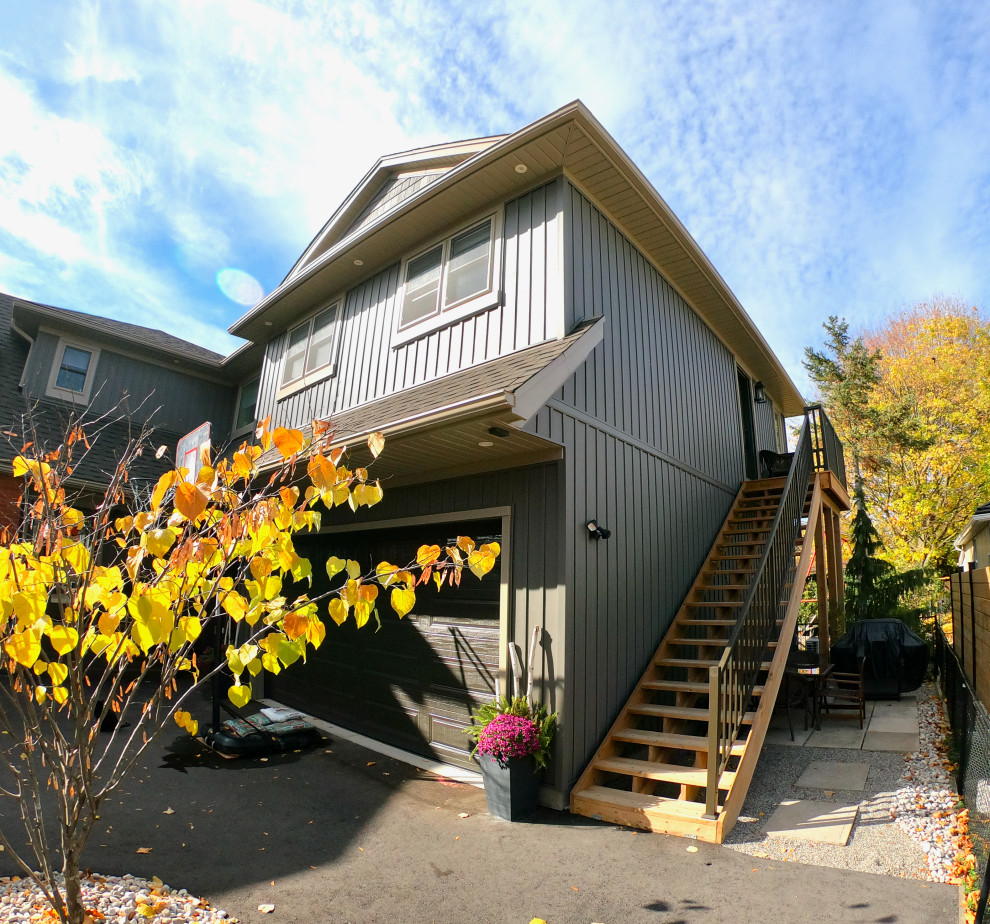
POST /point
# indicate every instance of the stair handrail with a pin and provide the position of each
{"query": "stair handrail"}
(827, 449)
(732, 680)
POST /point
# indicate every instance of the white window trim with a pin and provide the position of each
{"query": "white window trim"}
(474, 304)
(248, 427)
(323, 372)
(66, 394)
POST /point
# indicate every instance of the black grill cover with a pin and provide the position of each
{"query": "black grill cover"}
(896, 658)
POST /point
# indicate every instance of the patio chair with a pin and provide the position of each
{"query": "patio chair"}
(846, 693)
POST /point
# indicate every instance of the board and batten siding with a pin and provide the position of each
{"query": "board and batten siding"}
(369, 367)
(172, 399)
(653, 451)
(534, 494)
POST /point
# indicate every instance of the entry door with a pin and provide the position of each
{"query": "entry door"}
(414, 682)
(748, 424)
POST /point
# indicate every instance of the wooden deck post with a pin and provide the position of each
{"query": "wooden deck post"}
(836, 584)
(821, 557)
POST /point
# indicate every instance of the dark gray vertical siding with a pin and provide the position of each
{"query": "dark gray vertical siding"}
(653, 452)
(370, 367)
(534, 495)
(173, 400)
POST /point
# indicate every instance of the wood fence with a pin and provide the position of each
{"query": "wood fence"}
(971, 628)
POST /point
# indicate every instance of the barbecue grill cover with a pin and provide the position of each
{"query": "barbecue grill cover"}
(896, 658)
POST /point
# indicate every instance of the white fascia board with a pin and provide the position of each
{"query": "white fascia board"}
(529, 397)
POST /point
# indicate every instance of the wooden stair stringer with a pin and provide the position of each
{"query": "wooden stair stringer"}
(640, 808)
(771, 686)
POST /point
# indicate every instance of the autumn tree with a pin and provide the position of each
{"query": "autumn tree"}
(101, 606)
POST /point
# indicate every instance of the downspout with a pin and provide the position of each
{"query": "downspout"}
(30, 340)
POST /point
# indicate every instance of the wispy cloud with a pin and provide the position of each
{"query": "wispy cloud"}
(829, 159)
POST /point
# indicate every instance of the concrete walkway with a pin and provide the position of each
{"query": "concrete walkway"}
(342, 834)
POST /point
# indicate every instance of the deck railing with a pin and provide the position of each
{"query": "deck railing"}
(731, 681)
(826, 447)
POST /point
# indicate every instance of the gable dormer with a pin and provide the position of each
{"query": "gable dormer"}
(390, 182)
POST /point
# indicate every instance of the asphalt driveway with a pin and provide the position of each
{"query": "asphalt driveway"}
(341, 834)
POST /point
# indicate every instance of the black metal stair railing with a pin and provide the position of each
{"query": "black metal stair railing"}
(732, 680)
(826, 447)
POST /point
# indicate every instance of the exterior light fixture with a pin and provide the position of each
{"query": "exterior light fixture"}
(486, 444)
(499, 432)
(359, 262)
(759, 393)
(598, 532)
(521, 168)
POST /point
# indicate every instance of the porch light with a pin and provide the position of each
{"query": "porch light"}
(521, 168)
(759, 393)
(598, 532)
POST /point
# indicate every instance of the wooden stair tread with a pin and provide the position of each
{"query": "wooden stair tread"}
(685, 686)
(664, 773)
(701, 621)
(694, 604)
(699, 641)
(680, 808)
(689, 713)
(669, 740)
(696, 662)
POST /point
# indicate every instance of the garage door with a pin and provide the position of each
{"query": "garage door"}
(414, 682)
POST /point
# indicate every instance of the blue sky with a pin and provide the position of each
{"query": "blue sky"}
(828, 157)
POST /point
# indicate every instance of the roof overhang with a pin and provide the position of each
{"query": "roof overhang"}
(976, 525)
(569, 141)
(469, 421)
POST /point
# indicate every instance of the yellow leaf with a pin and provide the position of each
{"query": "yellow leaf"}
(190, 500)
(427, 555)
(24, 647)
(192, 726)
(335, 566)
(353, 569)
(287, 442)
(235, 605)
(59, 694)
(402, 601)
(338, 610)
(158, 541)
(376, 443)
(40, 694)
(295, 625)
(340, 494)
(58, 672)
(362, 612)
(482, 560)
(322, 472)
(181, 717)
(107, 623)
(368, 494)
(63, 638)
(386, 573)
(161, 489)
(240, 695)
(466, 543)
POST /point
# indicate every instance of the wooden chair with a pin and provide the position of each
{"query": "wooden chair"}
(846, 692)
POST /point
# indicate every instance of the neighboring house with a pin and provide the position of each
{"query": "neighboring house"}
(543, 345)
(973, 543)
(55, 363)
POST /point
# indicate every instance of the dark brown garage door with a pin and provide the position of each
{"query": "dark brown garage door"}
(415, 681)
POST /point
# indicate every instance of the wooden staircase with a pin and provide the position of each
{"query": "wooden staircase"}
(651, 771)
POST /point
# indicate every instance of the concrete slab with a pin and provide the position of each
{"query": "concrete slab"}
(834, 774)
(834, 735)
(818, 822)
(905, 724)
(890, 741)
(783, 736)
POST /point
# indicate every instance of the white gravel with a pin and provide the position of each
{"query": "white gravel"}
(116, 899)
(906, 826)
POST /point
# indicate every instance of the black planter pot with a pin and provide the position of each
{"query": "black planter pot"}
(512, 786)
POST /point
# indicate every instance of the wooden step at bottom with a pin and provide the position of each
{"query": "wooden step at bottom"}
(688, 713)
(663, 773)
(666, 740)
(649, 813)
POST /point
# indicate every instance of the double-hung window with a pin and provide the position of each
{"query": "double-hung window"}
(456, 275)
(247, 400)
(73, 371)
(311, 349)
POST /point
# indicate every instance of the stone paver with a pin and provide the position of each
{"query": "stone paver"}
(818, 822)
(832, 775)
(835, 735)
(890, 741)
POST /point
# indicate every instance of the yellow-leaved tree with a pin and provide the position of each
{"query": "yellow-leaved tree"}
(934, 361)
(101, 606)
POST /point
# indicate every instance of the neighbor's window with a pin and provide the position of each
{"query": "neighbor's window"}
(73, 369)
(449, 274)
(311, 346)
(72, 372)
(246, 402)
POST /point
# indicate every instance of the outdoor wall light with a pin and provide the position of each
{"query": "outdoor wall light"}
(759, 393)
(499, 432)
(598, 532)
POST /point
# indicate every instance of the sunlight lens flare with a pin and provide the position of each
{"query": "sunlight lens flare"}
(239, 286)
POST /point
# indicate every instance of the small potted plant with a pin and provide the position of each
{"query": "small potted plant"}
(513, 747)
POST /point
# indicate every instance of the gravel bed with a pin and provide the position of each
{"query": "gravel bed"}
(116, 899)
(906, 814)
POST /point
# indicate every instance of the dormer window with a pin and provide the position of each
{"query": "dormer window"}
(310, 350)
(451, 279)
(72, 373)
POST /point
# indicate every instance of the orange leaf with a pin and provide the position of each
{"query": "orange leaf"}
(190, 500)
(376, 443)
(427, 554)
(287, 442)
